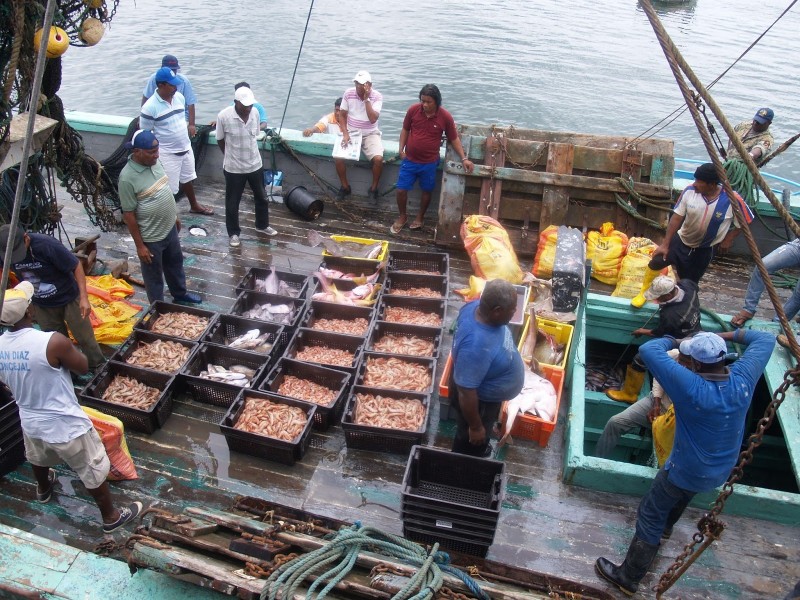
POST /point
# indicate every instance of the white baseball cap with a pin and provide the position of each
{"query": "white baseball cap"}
(362, 77)
(245, 96)
(15, 302)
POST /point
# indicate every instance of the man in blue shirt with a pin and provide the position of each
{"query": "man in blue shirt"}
(487, 368)
(184, 87)
(711, 402)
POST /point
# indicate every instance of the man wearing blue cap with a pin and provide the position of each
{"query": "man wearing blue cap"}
(184, 87)
(148, 208)
(711, 403)
(754, 135)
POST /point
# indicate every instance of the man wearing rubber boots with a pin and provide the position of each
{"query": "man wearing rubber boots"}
(702, 222)
(711, 403)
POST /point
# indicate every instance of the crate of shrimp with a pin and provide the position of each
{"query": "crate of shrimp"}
(415, 285)
(141, 399)
(279, 310)
(427, 312)
(410, 373)
(334, 350)
(248, 335)
(399, 338)
(176, 320)
(338, 318)
(424, 263)
(385, 420)
(325, 388)
(272, 281)
(269, 426)
(155, 352)
(228, 369)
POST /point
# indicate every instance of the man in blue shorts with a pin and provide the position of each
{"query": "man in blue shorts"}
(423, 127)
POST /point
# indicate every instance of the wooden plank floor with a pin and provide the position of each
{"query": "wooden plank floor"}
(545, 525)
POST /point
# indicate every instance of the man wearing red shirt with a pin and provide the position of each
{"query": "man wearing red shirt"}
(423, 127)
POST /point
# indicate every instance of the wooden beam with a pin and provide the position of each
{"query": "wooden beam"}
(451, 197)
(555, 199)
(492, 187)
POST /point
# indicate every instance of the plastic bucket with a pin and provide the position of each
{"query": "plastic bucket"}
(300, 201)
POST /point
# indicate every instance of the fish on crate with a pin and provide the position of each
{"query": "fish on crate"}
(276, 313)
(236, 375)
(358, 279)
(252, 340)
(547, 350)
(272, 284)
(344, 249)
(361, 295)
(538, 397)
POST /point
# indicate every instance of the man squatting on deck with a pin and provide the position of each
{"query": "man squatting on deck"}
(36, 365)
(711, 403)
(487, 368)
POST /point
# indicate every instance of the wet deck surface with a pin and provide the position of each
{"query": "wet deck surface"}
(545, 525)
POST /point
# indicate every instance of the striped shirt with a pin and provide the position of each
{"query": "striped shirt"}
(184, 88)
(241, 147)
(357, 111)
(700, 214)
(166, 121)
(145, 191)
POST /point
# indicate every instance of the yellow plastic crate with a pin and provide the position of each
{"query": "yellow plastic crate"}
(561, 331)
(365, 241)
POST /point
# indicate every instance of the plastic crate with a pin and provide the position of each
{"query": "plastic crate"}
(160, 307)
(363, 241)
(139, 337)
(305, 338)
(462, 529)
(446, 542)
(398, 282)
(562, 332)
(12, 454)
(296, 281)
(263, 446)
(531, 427)
(146, 421)
(381, 439)
(384, 328)
(224, 357)
(433, 263)
(345, 285)
(9, 425)
(444, 382)
(248, 300)
(325, 416)
(229, 327)
(432, 306)
(446, 480)
(328, 310)
(429, 363)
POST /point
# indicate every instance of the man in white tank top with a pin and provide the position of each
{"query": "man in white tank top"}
(36, 366)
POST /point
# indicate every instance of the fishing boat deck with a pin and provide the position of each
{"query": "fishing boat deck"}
(545, 525)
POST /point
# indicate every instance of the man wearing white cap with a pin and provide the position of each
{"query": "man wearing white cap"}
(360, 109)
(711, 403)
(36, 365)
(237, 132)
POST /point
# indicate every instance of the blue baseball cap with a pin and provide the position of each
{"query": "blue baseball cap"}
(764, 115)
(167, 75)
(142, 140)
(170, 61)
(705, 347)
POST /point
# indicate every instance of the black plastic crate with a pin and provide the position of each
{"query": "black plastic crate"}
(399, 282)
(445, 480)
(208, 391)
(381, 439)
(432, 306)
(328, 310)
(248, 300)
(146, 421)
(10, 425)
(160, 307)
(10, 438)
(444, 521)
(263, 446)
(12, 457)
(422, 506)
(446, 542)
(432, 263)
(296, 282)
(139, 337)
(383, 328)
(308, 338)
(337, 380)
(229, 327)
(429, 364)
(223, 357)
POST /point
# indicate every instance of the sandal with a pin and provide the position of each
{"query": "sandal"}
(397, 227)
(742, 317)
(416, 225)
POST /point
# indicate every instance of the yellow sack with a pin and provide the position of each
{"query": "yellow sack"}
(475, 289)
(112, 316)
(112, 432)
(634, 266)
(605, 248)
(490, 250)
(545, 253)
(664, 435)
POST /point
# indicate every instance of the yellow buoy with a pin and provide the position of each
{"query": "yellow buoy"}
(92, 31)
(57, 42)
(93, 3)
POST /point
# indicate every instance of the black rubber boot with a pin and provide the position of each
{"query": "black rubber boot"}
(635, 566)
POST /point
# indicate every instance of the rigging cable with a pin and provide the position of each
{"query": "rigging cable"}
(296, 63)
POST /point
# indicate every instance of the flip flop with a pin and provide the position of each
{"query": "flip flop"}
(397, 227)
(204, 211)
(416, 225)
(742, 317)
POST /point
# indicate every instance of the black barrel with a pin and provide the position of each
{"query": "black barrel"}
(302, 203)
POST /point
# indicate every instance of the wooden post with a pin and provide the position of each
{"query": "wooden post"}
(555, 200)
(492, 187)
(451, 198)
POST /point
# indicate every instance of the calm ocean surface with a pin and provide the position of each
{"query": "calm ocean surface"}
(586, 66)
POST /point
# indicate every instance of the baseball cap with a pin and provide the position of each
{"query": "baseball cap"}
(362, 77)
(661, 285)
(19, 250)
(705, 347)
(764, 115)
(245, 96)
(707, 172)
(170, 61)
(142, 140)
(15, 302)
(167, 75)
